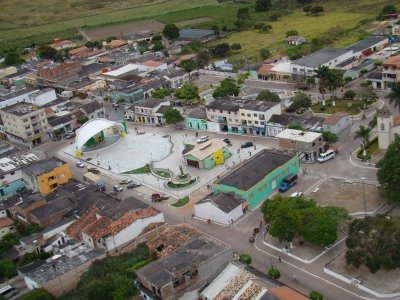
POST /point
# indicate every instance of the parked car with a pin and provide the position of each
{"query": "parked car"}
(326, 156)
(8, 291)
(115, 105)
(117, 188)
(94, 170)
(80, 164)
(126, 181)
(133, 185)
(70, 134)
(158, 197)
(227, 141)
(202, 139)
(296, 194)
(246, 145)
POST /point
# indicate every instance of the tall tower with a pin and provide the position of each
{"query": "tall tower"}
(384, 123)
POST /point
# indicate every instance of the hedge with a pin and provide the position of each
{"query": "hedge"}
(245, 258)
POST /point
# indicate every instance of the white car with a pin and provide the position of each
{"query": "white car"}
(202, 139)
(296, 194)
(80, 164)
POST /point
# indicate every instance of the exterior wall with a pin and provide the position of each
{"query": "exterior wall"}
(197, 124)
(384, 127)
(341, 128)
(48, 182)
(301, 146)
(50, 219)
(21, 98)
(43, 98)
(6, 229)
(3, 213)
(10, 185)
(132, 97)
(87, 240)
(259, 192)
(210, 211)
(17, 211)
(210, 269)
(132, 231)
(218, 157)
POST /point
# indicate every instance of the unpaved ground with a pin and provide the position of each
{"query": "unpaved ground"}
(193, 21)
(349, 195)
(116, 30)
(381, 282)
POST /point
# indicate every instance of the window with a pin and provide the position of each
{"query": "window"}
(220, 111)
(12, 173)
(249, 115)
(243, 114)
(255, 122)
(249, 122)
(27, 127)
(262, 123)
(255, 115)
(1, 176)
(382, 127)
(25, 120)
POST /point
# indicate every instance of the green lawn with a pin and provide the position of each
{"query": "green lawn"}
(181, 202)
(352, 107)
(172, 185)
(142, 170)
(163, 174)
(371, 149)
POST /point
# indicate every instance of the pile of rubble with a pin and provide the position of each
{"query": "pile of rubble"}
(235, 285)
(251, 292)
(173, 238)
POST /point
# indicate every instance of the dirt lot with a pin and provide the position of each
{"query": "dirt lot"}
(349, 195)
(116, 30)
(381, 282)
(193, 21)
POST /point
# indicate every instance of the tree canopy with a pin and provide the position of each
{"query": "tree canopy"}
(262, 5)
(389, 9)
(188, 65)
(172, 116)
(171, 31)
(160, 93)
(38, 294)
(228, 87)
(300, 103)
(265, 53)
(12, 58)
(292, 217)
(187, 91)
(389, 172)
(268, 95)
(394, 95)
(220, 50)
(7, 268)
(316, 10)
(47, 52)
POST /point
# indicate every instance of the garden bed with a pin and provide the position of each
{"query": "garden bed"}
(142, 170)
(173, 185)
(181, 202)
(353, 107)
(162, 173)
(373, 146)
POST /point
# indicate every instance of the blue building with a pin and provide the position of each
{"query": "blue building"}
(196, 119)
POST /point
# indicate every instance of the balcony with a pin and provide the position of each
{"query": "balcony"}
(219, 120)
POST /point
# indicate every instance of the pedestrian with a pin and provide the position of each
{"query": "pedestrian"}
(255, 148)
(280, 259)
(249, 153)
(185, 134)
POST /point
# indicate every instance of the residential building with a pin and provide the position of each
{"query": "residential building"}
(357, 71)
(16, 79)
(62, 44)
(11, 162)
(47, 175)
(201, 35)
(388, 127)
(92, 109)
(25, 123)
(251, 69)
(391, 71)
(264, 72)
(6, 226)
(196, 119)
(255, 179)
(368, 46)
(42, 97)
(223, 115)
(152, 65)
(339, 123)
(295, 40)
(241, 281)
(207, 155)
(193, 260)
(376, 79)
(278, 123)
(329, 57)
(20, 206)
(129, 94)
(114, 227)
(254, 114)
(139, 36)
(59, 75)
(116, 44)
(175, 78)
(61, 273)
(10, 97)
(306, 144)
(221, 208)
(150, 112)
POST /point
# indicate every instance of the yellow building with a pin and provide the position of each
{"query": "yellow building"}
(45, 176)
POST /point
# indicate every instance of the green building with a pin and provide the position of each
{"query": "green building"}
(130, 94)
(207, 155)
(255, 179)
(196, 119)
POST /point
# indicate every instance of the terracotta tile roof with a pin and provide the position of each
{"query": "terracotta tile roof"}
(152, 63)
(4, 222)
(60, 70)
(117, 43)
(265, 69)
(97, 227)
(60, 43)
(286, 293)
(333, 119)
(392, 61)
(396, 121)
(75, 229)
(79, 50)
(184, 57)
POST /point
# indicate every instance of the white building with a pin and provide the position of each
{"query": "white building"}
(219, 208)
(42, 97)
(16, 96)
(388, 127)
(6, 226)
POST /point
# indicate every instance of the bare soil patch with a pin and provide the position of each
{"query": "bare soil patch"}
(124, 28)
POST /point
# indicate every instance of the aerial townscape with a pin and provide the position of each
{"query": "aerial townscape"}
(200, 150)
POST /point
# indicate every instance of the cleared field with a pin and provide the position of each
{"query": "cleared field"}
(309, 26)
(194, 21)
(124, 28)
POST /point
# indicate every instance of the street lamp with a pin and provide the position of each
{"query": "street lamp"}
(365, 202)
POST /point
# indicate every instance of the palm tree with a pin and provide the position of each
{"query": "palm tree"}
(363, 133)
(394, 95)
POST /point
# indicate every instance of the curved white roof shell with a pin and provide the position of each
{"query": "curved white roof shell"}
(91, 128)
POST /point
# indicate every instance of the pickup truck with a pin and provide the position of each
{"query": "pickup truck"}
(287, 182)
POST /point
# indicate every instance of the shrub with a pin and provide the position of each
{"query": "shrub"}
(350, 94)
(314, 295)
(245, 258)
(274, 273)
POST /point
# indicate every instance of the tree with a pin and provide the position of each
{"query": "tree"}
(333, 80)
(295, 126)
(262, 5)
(274, 17)
(220, 50)
(188, 65)
(350, 94)
(269, 96)
(187, 91)
(12, 58)
(157, 46)
(7, 268)
(47, 52)
(265, 53)
(389, 9)
(171, 31)
(242, 78)
(389, 172)
(274, 273)
(38, 294)
(160, 93)
(245, 258)
(236, 47)
(242, 18)
(202, 59)
(329, 137)
(215, 28)
(82, 119)
(316, 10)
(363, 133)
(300, 103)
(307, 9)
(394, 95)
(292, 33)
(266, 28)
(227, 87)
(172, 116)
(314, 295)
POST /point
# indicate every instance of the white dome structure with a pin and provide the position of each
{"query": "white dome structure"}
(93, 127)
